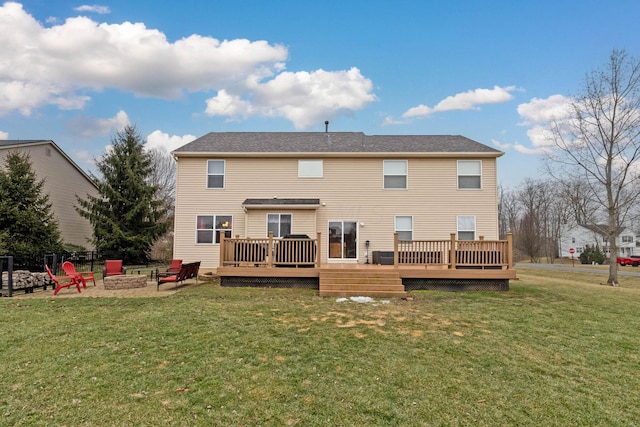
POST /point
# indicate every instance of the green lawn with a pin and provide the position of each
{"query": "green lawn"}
(558, 349)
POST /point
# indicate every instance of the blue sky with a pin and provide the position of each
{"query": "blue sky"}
(493, 71)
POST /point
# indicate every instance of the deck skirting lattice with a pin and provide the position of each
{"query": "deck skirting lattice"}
(271, 282)
(415, 284)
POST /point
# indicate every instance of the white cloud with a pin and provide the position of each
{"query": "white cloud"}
(529, 151)
(59, 64)
(501, 146)
(389, 120)
(464, 101)
(3, 135)
(91, 126)
(539, 111)
(64, 64)
(93, 8)
(224, 104)
(161, 140)
(304, 98)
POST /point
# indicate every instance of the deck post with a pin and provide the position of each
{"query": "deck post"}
(395, 249)
(221, 249)
(318, 249)
(452, 252)
(509, 251)
(270, 251)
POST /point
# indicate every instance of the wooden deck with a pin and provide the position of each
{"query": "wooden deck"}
(449, 265)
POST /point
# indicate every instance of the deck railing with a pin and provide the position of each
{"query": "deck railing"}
(269, 252)
(454, 253)
(284, 252)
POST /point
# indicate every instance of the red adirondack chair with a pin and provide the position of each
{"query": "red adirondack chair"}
(83, 276)
(63, 281)
(113, 267)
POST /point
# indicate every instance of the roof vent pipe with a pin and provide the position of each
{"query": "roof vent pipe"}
(326, 126)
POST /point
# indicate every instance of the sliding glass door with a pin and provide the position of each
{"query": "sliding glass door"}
(343, 240)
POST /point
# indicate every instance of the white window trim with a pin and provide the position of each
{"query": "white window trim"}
(279, 218)
(406, 175)
(458, 175)
(475, 226)
(224, 174)
(301, 161)
(395, 224)
(215, 231)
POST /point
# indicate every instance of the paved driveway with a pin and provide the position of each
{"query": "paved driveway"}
(580, 268)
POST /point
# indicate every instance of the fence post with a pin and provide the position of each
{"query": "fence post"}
(9, 273)
(509, 251)
(395, 249)
(318, 247)
(221, 249)
(270, 250)
(452, 251)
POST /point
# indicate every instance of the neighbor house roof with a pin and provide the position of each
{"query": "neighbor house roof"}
(25, 143)
(332, 143)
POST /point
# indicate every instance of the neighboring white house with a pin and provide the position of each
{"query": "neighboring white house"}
(579, 236)
(63, 181)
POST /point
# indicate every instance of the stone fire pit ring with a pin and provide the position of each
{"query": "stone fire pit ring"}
(130, 281)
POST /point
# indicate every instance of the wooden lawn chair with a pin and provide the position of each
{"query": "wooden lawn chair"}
(60, 281)
(70, 270)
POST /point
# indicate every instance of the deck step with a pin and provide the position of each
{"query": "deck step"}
(346, 283)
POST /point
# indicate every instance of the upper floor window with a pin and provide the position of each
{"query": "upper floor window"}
(395, 173)
(279, 224)
(208, 228)
(215, 173)
(309, 168)
(469, 174)
(627, 239)
(404, 227)
(467, 227)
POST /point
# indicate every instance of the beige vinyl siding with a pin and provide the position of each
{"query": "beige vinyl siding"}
(351, 189)
(63, 181)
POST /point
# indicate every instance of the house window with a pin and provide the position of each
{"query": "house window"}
(279, 224)
(466, 228)
(395, 174)
(404, 227)
(469, 174)
(208, 228)
(627, 239)
(215, 173)
(309, 168)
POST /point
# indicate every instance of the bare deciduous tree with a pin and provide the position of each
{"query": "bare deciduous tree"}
(164, 178)
(599, 143)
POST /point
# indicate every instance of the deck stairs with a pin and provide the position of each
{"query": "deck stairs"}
(340, 282)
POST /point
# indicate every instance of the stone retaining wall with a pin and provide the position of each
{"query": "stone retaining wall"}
(125, 281)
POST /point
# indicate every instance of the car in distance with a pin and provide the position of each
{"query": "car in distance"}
(633, 260)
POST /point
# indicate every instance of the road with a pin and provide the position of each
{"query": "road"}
(580, 268)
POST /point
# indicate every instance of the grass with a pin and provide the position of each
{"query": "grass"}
(557, 349)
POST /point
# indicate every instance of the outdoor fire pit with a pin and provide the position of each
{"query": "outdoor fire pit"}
(125, 281)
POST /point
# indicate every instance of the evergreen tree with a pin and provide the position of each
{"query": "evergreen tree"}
(28, 229)
(126, 215)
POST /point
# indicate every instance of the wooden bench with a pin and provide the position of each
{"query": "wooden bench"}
(187, 271)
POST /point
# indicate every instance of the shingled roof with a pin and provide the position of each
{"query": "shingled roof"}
(331, 142)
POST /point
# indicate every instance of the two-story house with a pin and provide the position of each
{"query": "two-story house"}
(353, 190)
(577, 237)
(63, 181)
